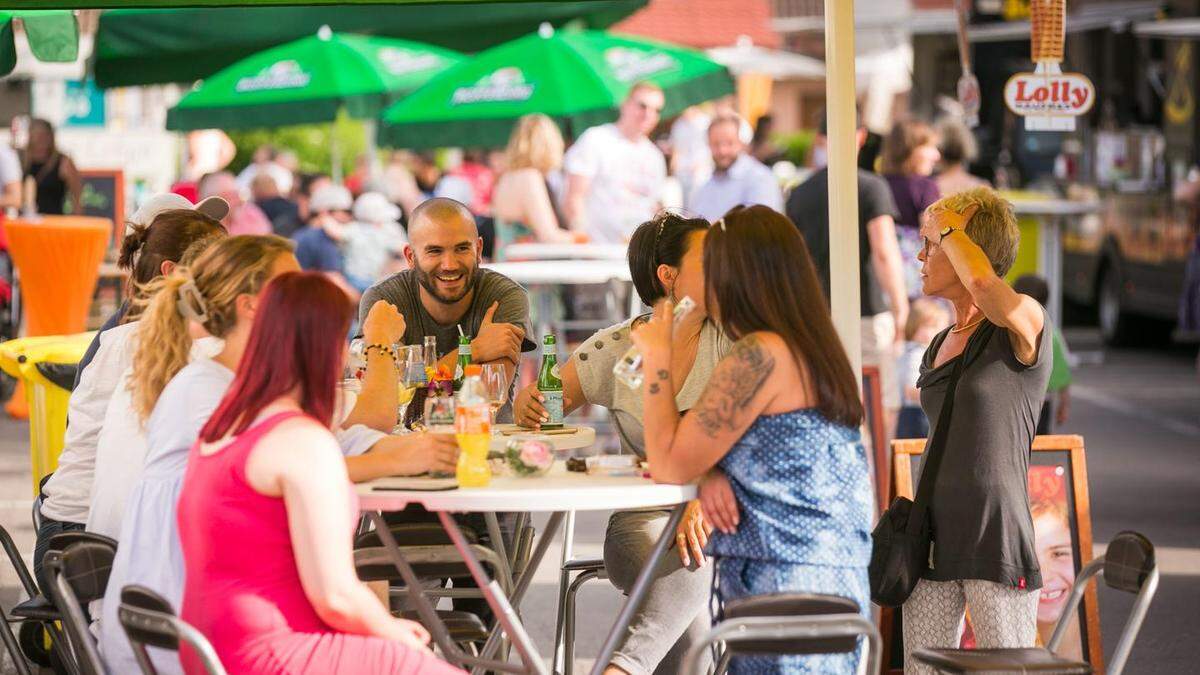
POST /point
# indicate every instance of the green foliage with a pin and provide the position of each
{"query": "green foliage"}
(311, 143)
(796, 145)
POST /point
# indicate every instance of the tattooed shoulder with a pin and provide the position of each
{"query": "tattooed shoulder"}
(734, 384)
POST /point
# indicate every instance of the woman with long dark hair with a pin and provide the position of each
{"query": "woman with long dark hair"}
(780, 417)
(265, 489)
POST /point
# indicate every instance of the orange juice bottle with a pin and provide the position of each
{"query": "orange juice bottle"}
(473, 430)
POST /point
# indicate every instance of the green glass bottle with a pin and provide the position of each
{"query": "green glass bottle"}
(549, 383)
(464, 360)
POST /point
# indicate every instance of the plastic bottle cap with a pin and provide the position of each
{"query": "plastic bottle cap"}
(473, 369)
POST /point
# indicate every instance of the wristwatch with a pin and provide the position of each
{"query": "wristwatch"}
(945, 231)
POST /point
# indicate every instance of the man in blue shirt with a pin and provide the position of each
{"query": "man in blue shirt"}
(317, 244)
(737, 179)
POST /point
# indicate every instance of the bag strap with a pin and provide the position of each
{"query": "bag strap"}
(936, 447)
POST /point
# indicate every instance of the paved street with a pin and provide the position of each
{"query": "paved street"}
(1139, 412)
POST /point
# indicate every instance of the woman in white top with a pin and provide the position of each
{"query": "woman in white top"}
(219, 294)
(152, 247)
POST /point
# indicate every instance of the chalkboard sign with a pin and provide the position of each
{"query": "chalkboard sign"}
(104, 196)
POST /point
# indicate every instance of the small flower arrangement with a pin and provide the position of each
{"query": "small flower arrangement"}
(529, 458)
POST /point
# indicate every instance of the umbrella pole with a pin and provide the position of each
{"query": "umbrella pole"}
(843, 178)
(335, 154)
(372, 152)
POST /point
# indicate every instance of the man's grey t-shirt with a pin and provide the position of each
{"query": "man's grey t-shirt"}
(403, 291)
(982, 528)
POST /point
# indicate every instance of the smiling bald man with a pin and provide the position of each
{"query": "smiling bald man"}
(445, 288)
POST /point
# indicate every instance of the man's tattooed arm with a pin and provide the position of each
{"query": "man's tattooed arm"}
(734, 385)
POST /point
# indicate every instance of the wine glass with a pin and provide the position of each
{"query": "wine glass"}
(412, 375)
(495, 381)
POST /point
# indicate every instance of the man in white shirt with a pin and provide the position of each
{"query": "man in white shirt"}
(10, 179)
(737, 179)
(615, 173)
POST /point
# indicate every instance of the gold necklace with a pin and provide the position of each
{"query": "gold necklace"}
(969, 326)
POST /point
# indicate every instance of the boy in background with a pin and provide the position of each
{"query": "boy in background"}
(926, 318)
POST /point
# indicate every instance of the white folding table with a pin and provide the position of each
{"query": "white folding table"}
(545, 251)
(543, 277)
(556, 493)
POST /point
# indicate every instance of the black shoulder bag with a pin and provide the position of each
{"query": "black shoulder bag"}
(901, 539)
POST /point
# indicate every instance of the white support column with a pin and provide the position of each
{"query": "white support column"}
(843, 181)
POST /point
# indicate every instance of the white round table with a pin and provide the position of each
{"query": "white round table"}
(545, 251)
(558, 492)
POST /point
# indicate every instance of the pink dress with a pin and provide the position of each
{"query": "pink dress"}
(243, 589)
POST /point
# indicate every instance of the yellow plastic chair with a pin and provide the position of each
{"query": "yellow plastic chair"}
(47, 401)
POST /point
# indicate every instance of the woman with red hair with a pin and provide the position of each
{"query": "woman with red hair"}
(265, 491)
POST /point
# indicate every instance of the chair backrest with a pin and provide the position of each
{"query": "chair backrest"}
(149, 620)
(78, 573)
(1128, 565)
(789, 623)
(145, 616)
(1128, 562)
(791, 605)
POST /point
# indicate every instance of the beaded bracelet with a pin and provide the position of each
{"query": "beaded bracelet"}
(386, 350)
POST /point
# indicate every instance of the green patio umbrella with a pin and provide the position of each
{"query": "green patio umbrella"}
(578, 78)
(148, 46)
(53, 35)
(309, 81)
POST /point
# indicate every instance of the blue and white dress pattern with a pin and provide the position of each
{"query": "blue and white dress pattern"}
(804, 491)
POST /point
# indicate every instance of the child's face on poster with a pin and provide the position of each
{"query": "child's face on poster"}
(1057, 560)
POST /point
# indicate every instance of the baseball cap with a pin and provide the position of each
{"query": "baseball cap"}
(331, 198)
(213, 207)
(373, 207)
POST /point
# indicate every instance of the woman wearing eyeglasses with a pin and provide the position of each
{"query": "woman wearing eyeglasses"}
(666, 261)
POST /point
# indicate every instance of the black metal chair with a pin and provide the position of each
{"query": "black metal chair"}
(37, 616)
(6, 632)
(77, 567)
(789, 623)
(1128, 565)
(149, 620)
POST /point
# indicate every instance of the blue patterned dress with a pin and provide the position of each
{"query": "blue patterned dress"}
(804, 492)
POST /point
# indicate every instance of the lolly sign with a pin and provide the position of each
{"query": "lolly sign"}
(1048, 98)
(1047, 94)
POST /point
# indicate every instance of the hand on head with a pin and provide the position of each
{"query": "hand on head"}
(939, 218)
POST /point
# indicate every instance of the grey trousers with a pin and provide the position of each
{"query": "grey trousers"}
(1002, 616)
(675, 614)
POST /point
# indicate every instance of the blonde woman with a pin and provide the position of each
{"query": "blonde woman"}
(522, 202)
(220, 295)
(153, 247)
